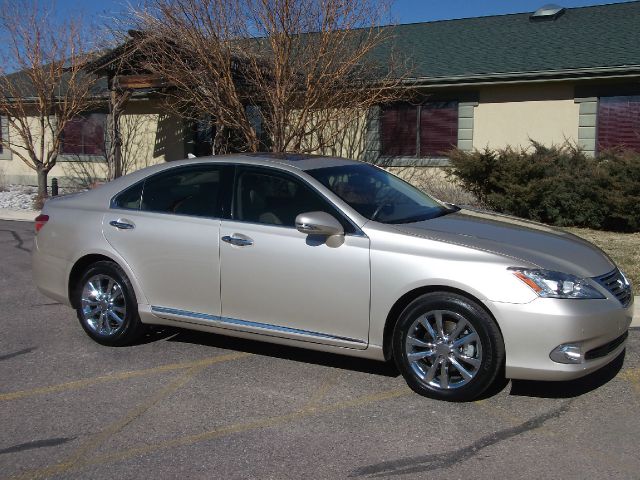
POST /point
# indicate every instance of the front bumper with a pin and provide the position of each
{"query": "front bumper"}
(532, 331)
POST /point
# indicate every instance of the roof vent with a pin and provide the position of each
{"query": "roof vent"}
(548, 12)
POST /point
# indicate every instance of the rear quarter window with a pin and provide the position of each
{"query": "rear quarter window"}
(129, 199)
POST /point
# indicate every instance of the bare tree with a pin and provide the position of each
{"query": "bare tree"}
(42, 82)
(280, 73)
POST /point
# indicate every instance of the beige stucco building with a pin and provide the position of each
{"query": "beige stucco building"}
(488, 82)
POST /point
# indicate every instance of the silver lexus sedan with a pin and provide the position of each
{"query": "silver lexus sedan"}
(333, 255)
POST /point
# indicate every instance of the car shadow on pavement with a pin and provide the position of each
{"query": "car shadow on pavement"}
(386, 369)
(524, 388)
(568, 389)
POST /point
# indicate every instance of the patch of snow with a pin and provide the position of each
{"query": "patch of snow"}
(18, 197)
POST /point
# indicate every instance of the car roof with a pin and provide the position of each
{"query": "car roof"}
(286, 161)
(301, 161)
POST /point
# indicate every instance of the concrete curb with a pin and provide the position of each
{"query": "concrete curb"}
(19, 215)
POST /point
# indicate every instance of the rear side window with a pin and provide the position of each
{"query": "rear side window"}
(184, 191)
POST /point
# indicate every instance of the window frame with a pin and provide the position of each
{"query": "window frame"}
(5, 153)
(225, 177)
(350, 228)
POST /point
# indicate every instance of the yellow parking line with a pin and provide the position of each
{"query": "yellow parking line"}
(76, 384)
(94, 442)
(632, 375)
(321, 392)
(220, 432)
(253, 425)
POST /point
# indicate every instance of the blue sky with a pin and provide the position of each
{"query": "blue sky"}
(409, 11)
(405, 11)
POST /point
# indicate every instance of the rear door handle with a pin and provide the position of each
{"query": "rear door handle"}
(240, 242)
(122, 224)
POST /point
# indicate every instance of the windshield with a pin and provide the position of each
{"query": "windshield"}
(378, 195)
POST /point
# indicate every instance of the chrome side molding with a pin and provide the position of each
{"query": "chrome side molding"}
(225, 321)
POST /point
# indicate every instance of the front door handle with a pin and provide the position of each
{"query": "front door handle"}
(122, 224)
(239, 242)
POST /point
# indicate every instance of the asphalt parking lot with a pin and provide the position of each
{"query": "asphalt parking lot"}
(193, 405)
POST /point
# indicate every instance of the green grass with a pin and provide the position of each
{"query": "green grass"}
(623, 248)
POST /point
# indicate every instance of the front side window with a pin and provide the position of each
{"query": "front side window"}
(430, 129)
(84, 135)
(182, 191)
(378, 195)
(619, 122)
(276, 199)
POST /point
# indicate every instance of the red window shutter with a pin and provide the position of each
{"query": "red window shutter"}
(619, 122)
(94, 135)
(72, 137)
(399, 130)
(438, 128)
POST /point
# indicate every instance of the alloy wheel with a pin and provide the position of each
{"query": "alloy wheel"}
(103, 305)
(443, 349)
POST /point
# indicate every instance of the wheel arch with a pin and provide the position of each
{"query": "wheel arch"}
(81, 265)
(410, 296)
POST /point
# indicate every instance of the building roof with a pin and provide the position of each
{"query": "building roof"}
(583, 40)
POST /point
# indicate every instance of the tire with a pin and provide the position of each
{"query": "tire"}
(106, 305)
(469, 344)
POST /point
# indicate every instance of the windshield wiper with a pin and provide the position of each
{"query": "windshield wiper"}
(425, 216)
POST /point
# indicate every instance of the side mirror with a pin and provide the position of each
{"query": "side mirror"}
(318, 223)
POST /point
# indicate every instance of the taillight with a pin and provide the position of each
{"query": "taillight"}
(41, 220)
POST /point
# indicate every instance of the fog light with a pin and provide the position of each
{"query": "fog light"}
(567, 353)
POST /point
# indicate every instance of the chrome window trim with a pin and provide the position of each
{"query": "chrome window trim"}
(112, 203)
(246, 323)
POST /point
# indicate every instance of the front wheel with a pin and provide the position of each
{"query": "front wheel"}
(447, 347)
(107, 306)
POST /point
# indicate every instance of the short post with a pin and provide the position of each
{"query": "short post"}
(54, 187)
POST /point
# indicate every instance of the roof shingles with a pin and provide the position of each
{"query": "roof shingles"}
(602, 36)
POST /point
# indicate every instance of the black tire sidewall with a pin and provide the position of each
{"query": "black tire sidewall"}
(132, 325)
(482, 322)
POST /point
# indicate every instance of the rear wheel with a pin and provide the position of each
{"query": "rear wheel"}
(107, 306)
(447, 347)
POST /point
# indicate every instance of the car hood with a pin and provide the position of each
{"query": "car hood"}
(521, 240)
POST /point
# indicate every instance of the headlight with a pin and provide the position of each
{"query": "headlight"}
(550, 284)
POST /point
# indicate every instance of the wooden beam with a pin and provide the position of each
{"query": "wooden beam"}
(134, 82)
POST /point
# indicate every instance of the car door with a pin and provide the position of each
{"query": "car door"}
(278, 281)
(167, 229)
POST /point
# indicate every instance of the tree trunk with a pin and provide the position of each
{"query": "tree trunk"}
(117, 102)
(42, 185)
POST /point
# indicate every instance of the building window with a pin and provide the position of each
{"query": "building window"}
(430, 129)
(84, 135)
(619, 122)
